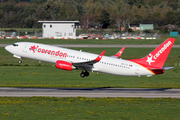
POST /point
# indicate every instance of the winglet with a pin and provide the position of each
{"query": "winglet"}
(120, 52)
(100, 56)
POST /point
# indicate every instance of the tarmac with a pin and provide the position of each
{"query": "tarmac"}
(90, 92)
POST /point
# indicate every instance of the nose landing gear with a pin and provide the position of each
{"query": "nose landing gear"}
(84, 74)
(20, 61)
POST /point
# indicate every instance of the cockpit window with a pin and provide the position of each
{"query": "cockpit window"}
(15, 44)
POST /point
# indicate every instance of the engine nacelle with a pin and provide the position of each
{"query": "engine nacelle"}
(64, 65)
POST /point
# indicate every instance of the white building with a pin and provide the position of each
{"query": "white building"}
(59, 29)
(141, 26)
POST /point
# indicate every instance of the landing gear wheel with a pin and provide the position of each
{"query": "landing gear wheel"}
(84, 74)
(19, 61)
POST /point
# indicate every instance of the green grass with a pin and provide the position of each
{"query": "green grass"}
(22, 29)
(92, 41)
(32, 74)
(81, 108)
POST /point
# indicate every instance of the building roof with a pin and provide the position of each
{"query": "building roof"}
(146, 24)
(134, 25)
(58, 21)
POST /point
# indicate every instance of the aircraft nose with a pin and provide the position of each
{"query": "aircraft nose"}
(8, 48)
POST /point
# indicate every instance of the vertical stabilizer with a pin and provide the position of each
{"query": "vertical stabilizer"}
(158, 56)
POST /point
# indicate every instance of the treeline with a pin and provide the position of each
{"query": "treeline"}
(106, 13)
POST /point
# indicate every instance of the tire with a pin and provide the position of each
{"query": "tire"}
(86, 73)
(82, 75)
(19, 61)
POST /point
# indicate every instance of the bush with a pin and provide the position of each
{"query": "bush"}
(130, 30)
(147, 31)
(164, 30)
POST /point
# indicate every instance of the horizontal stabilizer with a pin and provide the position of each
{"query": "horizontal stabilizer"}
(167, 68)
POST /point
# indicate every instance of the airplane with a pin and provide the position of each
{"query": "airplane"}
(68, 59)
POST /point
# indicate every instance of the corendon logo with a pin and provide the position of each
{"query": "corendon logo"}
(33, 48)
(47, 51)
(161, 51)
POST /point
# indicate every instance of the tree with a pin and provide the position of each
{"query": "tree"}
(80, 9)
(104, 19)
(126, 16)
(38, 1)
(118, 22)
(86, 21)
(138, 3)
(1, 14)
(153, 2)
(29, 22)
(113, 13)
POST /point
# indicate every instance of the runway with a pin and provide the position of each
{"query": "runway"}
(90, 92)
(102, 45)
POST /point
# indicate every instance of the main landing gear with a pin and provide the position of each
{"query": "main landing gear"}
(84, 74)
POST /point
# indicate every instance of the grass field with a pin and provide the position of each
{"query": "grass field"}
(81, 108)
(22, 29)
(32, 74)
(91, 41)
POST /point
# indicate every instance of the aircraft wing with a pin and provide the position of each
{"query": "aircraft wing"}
(89, 64)
(118, 54)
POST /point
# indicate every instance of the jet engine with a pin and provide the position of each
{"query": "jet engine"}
(64, 65)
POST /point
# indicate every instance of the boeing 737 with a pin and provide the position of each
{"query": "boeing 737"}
(68, 59)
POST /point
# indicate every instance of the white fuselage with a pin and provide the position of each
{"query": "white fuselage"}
(51, 54)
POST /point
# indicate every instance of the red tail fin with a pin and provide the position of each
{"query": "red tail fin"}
(158, 56)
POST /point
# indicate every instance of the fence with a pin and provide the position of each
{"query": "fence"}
(91, 34)
(20, 33)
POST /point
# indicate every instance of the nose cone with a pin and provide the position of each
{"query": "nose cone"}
(8, 48)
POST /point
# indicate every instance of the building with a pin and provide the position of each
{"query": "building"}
(141, 26)
(134, 26)
(146, 27)
(59, 29)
